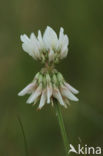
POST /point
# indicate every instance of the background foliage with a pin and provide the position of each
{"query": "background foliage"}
(83, 68)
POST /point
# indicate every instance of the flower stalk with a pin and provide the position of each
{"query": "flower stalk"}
(62, 127)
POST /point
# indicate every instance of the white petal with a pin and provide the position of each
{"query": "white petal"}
(35, 94)
(24, 38)
(28, 48)
(31, 45)
(66, 40)
(26, 44)
(49, 92)
(57, 95)
(34, 41)
(71, 88)
(42, 100)
(63, 39)
(64, 53)
(64, 46)
(40, 39)
(35, 44)
(61, 35)
(66, 93)
(66, 101)
(50, 38)
(27, 89)
(51, 55)
(33, 37)
(40, 36)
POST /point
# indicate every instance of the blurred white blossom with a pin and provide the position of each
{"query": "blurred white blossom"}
(47, 47)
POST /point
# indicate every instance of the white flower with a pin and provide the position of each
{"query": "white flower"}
(46, 88)
(49, 92)
(31, 45)
(63, 43)
(48, 85)
(67, 93)
(50, 38)
(47, 47)
(40, 39)
(28, 89)
(72, 89)
(43, 99)
(57, 95)
(35, 94)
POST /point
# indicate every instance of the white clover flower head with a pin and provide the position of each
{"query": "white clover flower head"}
(47, 48)
(48, 85)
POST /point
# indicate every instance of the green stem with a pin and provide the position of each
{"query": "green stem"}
(24, 136)
(62, 128)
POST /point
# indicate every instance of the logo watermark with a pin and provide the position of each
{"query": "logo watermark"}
(85, 149)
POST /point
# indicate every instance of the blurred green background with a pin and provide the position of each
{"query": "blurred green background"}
(82, 20)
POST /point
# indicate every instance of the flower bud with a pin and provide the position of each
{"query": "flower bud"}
(54, 79)
(60, 77)
(40, 79)
(44, 81)
(48, 79)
